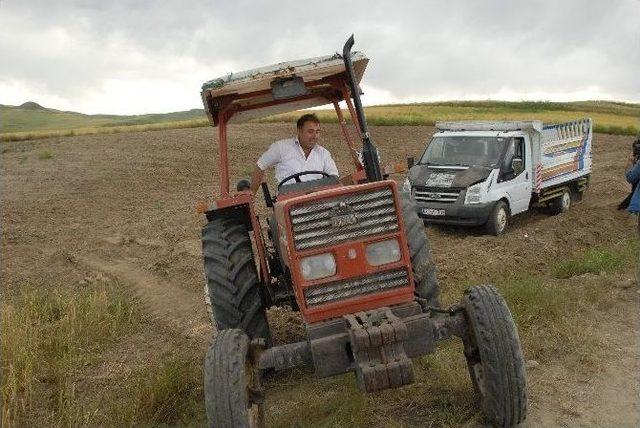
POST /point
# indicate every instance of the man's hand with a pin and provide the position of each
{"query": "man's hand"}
(256, 179)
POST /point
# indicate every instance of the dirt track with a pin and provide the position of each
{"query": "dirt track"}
(123, 206)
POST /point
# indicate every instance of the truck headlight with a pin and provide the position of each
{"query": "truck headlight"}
(383, 252)
(319, 266)
(474, 194)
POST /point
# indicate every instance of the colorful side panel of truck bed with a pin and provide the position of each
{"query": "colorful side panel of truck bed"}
(565, 153)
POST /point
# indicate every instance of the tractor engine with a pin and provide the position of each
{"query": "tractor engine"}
(345, 249)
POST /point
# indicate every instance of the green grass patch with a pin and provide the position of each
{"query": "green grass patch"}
(552, 319)
(45, 155)
(47, 335)
(597, 260)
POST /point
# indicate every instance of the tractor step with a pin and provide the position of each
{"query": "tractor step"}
(377, 341)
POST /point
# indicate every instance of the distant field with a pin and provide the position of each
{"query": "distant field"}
(608, 117)
(31, 121)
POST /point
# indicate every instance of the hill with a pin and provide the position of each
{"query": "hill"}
(32, 117)
(31, 120)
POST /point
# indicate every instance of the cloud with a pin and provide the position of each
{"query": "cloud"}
(136, 56)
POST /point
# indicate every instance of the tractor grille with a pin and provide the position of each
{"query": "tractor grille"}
(341, 290)
(367, 213)
(433, 194)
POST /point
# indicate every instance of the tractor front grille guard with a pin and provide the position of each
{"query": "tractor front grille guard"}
(342, 290)
(368, 213)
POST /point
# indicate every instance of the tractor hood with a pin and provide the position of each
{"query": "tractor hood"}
(423, 175)
(250, 94)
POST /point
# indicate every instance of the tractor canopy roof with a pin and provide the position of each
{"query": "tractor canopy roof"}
(279, 88)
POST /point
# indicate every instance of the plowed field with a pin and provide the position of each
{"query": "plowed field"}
(121, 208)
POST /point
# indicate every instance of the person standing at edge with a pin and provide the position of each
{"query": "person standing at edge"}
(633, 177)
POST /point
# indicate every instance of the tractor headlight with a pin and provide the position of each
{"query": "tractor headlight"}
(383, 252)
(474, 194)
(319, 266)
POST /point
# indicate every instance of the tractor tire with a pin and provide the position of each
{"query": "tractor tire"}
(424, 269)
(232, 393)
(494, 357)
(498, 219)
(561, 204)
(232, 291)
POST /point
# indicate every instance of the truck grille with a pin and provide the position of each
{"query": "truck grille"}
(341, 290)
(368, 213)
(433, 194)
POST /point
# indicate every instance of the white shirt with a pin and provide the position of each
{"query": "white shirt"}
(288, 158)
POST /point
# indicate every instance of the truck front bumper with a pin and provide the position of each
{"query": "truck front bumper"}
(455, 213)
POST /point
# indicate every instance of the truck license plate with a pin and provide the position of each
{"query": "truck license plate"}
(433, 211)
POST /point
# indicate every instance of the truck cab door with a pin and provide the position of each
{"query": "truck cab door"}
(515, 175)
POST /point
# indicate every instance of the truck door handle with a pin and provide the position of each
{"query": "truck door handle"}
(526, 175)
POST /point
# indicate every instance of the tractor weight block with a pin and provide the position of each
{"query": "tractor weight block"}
(377, 339)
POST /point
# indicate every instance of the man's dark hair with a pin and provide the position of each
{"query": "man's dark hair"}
(309, 117)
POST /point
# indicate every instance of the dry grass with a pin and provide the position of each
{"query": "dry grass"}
(164, 392)
(48, 336)
(609, 122)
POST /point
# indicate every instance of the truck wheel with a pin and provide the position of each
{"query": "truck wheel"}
(498, 219)
(424, 268)
(232, 393)
(560, 204)
(494, 356)
(232, 290)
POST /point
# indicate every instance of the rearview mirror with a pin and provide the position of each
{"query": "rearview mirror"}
(517, 165)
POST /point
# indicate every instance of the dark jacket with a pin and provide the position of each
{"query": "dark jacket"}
(633, 177)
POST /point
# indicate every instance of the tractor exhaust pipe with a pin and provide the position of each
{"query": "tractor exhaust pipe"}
(369, 151)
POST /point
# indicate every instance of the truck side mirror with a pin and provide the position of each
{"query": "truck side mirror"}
(411, 161)
(517, 166)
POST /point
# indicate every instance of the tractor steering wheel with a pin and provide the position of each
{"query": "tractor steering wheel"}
(297, 176)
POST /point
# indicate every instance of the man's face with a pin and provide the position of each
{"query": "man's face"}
(308, 134)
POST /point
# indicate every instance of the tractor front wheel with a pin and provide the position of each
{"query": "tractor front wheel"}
(232, 392)
(494, 356)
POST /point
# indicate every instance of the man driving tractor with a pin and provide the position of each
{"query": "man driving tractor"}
(294, 155)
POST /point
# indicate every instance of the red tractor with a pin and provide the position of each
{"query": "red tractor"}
(351, 255)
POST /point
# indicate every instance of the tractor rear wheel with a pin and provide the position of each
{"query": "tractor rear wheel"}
(494, 357)
(232, 290)
(232, 392)
(424, 268)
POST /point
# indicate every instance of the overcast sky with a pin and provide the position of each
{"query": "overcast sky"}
(134, 56)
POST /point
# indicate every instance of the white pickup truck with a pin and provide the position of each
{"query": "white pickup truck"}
(482, 173)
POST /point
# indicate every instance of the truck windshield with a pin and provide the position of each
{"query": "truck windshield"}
(464, 151)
